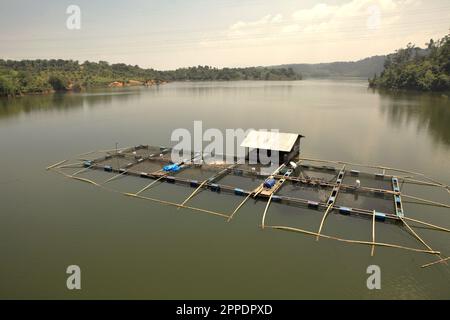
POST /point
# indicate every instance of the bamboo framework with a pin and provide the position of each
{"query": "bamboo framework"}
(372, 251)
(125, 161)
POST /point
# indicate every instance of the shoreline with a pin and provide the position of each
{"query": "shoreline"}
(114, 84)
(26, 77)
(121, 84)
(150, 83)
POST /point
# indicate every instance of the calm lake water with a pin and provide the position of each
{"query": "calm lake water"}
(129, 248)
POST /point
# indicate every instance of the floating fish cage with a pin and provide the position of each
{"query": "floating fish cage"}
(320, 186)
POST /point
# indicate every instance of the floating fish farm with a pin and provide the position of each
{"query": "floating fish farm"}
(323, 186)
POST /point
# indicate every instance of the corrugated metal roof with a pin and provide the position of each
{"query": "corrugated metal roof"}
(270, 140)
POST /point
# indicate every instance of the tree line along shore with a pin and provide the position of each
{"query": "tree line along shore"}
(410, 68)
(413, 68)
(45, 76)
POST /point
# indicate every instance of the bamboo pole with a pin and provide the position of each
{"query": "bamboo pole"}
(149, 185)
(258, 190)
(76, 178)
(420, 203)
(416, 181)
(427, 224)
(366, 212)
(415, 234)
(85, 180)
(114, 177)
(435, 262)
(71, 165)
(109, 150)
(381, 244)
(86, 153)
(278, 169)
(373, 234)
(338, 186)
(323, 220)
(417, 202)
(317, 160)
(193, 193)
(344, 186)
(210, 179)
(239, 206)
(82, 170)
(176, 205)
(402, 170)
(418, 237)
(61, 172)
(369, 189)
(438, 204)
(437, 183)
(265, 210)
(377, 167)
(349, 163)
(56, 164)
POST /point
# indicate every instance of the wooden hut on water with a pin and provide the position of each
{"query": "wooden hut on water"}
(266, 142)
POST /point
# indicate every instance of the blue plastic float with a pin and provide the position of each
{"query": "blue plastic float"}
(171, 168)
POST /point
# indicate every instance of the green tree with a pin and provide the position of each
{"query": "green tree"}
(7, 87)
(58, 82)
(413, 68)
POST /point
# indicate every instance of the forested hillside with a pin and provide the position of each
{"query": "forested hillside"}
(42, 76)
(412, 68)
(364, 68)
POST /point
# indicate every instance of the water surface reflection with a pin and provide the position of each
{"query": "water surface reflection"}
(429, 112)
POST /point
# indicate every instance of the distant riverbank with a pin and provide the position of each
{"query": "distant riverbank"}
(46, 76)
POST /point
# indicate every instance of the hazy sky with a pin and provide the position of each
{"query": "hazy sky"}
(174, 33)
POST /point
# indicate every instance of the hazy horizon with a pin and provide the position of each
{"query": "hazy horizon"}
(225, 33)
